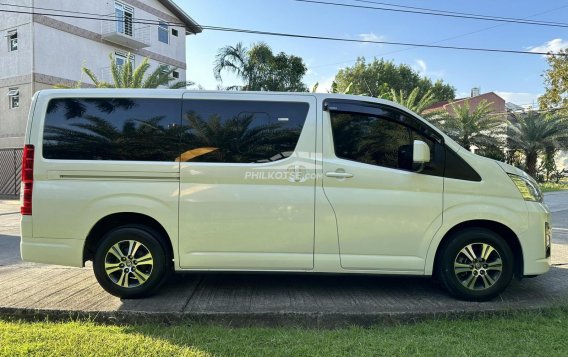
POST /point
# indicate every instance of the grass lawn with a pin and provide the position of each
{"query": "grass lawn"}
(551, 187)
(522, 334)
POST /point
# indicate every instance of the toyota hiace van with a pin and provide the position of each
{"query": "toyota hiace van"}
(147, 182)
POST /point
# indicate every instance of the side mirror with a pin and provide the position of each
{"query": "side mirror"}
(420, 152)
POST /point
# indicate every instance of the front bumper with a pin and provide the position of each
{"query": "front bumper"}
(534, 243)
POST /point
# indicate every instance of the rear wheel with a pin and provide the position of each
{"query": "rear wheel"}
(475, 264)
(130, 261)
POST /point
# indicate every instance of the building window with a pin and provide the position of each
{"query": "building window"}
(124, 15)
(12, 41)
(163, 32)
(175, 74)
(14, 98)
(121, 58)
(175, 32)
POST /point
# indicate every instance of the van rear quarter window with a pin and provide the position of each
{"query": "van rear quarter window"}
(122, 129)
(225, 131)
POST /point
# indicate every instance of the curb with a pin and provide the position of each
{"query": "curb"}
(300, 320)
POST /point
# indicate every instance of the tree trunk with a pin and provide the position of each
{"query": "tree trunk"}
(465, 143)
(510, 157)
(530, 163)
(550, 163)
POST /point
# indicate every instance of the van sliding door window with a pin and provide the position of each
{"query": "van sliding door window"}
(225, 131)
(123, 129)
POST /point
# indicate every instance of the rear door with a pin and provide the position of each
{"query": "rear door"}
(247, 181)
(387, 209)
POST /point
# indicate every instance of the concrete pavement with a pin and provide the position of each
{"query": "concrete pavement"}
(28, 290)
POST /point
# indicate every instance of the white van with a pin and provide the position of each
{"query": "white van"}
(144, 182)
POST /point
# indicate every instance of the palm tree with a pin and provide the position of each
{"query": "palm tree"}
(534, 133)
(234, 59)
(260, 69)
(125, 76)
(315, 87)
(235, 139)
(480, 126)
(417, 104)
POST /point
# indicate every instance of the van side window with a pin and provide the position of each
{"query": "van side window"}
(124, 129)
(382, 140)
(226, 131)
(369, 139)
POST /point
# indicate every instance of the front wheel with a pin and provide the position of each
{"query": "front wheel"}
(475, 264)
(130, 262)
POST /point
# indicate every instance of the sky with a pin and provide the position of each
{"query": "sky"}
(515, 77)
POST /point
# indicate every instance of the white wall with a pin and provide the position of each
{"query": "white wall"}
(72, 53)
(15, 70)
(16, 63)
(13, 121)
(175, 49)
(67, 58)
(562, 160)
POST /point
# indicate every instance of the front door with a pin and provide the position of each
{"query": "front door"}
(387, 209)
(247, 182)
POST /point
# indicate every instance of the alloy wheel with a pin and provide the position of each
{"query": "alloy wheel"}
(478, 266)
(129, 263)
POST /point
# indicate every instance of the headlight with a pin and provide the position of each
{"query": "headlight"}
(528, 188)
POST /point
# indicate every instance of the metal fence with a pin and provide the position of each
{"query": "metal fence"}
(10, 172)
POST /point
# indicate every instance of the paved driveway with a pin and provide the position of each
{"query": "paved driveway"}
(9, 233)
(28, 288)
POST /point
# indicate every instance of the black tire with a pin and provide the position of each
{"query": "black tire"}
(144, 276)
(477, 279)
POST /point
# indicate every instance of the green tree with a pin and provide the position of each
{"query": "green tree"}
(478, 126)
(379, 77)
(416, 102)
(556, 83)
(260, 69)
(125, 76)
(534, 133)
(555, 98)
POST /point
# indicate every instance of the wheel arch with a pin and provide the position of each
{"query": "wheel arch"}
(114, 220)
(502, 230)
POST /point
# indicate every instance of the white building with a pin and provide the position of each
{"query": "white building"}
(49, 47)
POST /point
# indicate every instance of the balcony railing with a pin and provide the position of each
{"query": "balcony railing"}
(123, 31)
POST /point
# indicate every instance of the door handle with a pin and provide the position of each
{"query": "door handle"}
(338, 174)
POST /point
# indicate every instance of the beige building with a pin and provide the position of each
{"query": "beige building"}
(49, 47)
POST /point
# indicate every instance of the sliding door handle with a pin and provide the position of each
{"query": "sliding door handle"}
(336, 174)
